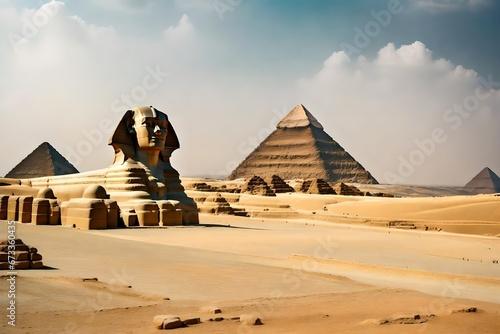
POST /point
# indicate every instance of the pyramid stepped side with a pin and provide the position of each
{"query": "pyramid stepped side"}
(288, 152)
(486, 181)
(257, 186)
(278, 185)
(340, 166)
(300, 149)
(318, 186)
(43, 161)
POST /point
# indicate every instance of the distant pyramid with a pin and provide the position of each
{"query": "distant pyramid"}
(486, 181)
(299, 148)
(43, 161)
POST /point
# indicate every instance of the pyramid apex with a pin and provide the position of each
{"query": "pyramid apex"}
(299, 117)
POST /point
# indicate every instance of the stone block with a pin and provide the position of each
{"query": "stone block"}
(4, 203)
(40, 212)
(36, 264)
(146, 211)
(13, 208)
(86, 214)
(55, 212)
(36, 257)
(21, 256)
(170, 213)
(21, 264)
(113, 213)
(25, 207)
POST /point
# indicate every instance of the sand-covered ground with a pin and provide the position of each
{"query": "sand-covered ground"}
(302, 263)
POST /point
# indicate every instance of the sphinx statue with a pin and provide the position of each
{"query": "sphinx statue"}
(140, 188)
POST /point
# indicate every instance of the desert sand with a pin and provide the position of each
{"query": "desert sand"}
(301, 263)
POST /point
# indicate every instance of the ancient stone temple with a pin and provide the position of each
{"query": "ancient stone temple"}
(299, 148)
(140, 188)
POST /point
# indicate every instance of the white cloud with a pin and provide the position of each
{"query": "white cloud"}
(377, 109)
(181, 31)
(439, 6)
(125, 5)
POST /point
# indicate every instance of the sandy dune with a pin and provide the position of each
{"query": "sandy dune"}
(298, 271)
(302, 263)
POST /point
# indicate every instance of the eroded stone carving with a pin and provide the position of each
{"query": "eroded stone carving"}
(141, 181)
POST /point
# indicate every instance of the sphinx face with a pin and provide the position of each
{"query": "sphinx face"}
(150, 127)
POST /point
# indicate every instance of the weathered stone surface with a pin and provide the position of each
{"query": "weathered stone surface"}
(45, 160)
(35, 257)
(278, 185)
(143, 142)
(250, 319)
(36, 264)
(299, 148)
(191, 321)
(216, 204)
(172, 323)
(167, 321)
(24, 257)
(317, 186)
(21, 264)
(257, 186)
(210, 309)
(21, 256)
(346, 190)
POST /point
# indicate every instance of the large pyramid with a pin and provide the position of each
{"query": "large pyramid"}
(43, 161)
(486, 181)
(299, 148)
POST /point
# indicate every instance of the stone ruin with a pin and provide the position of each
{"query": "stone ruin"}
(24, 256)
(140, 188)
(316, 186)
(257, 186)
(204, 187)
(346, 190)
(278, 185)
(216, 204)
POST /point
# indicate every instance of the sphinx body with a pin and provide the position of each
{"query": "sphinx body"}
(140, 188)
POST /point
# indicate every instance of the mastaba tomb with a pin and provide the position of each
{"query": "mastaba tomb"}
(299, 148)
(486, 182)
(140, 188)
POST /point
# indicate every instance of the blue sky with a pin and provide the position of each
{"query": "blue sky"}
(226, 70)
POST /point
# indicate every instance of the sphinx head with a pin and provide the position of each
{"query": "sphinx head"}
(149, 127)
(143, 129)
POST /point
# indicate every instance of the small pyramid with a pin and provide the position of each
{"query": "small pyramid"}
(344, 189)
(278, 185)
(299, 148)
(486, 181)
(257, 186)
(43, 161)
(317, 186)
(216, 204)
